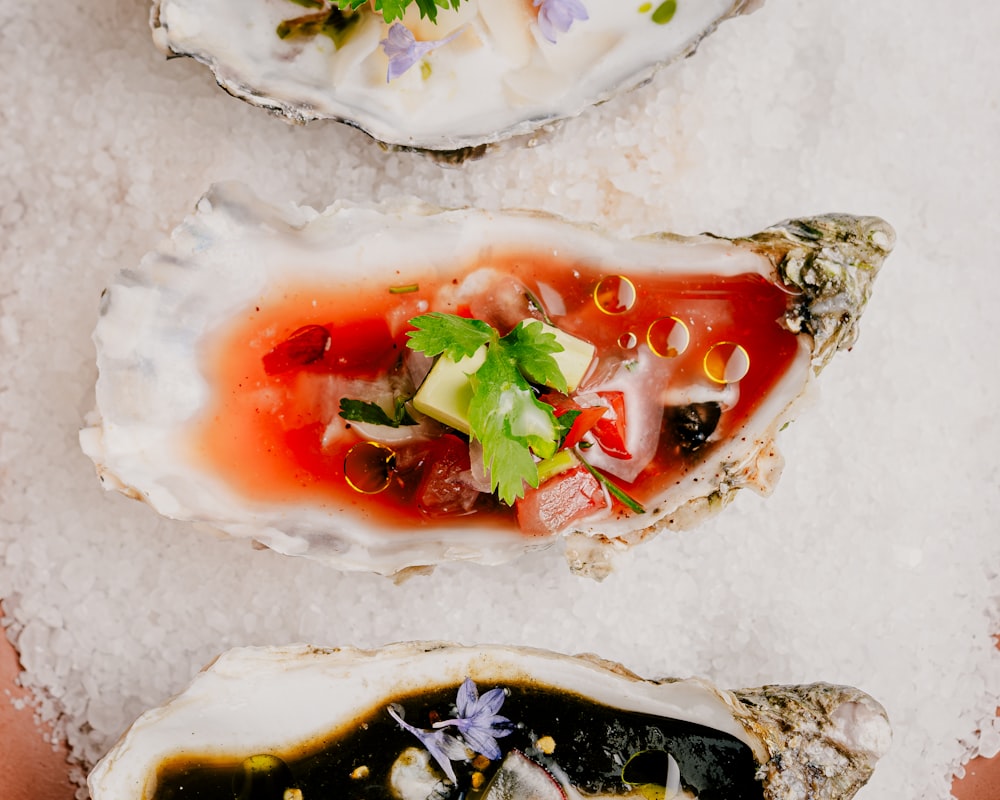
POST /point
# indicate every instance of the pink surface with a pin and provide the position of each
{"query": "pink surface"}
(30, 768)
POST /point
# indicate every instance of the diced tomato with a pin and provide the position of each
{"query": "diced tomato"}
(585, 420)
(559, 502)
(609, 431)
(304, 346)
(442, 491)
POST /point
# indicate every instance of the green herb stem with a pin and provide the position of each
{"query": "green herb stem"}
(616, 492)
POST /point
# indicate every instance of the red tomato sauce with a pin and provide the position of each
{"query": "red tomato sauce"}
(265, 432)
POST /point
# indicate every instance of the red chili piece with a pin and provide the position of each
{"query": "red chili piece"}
(610, 430)
(584, 421)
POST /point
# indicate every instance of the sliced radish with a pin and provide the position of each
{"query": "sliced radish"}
(520, 778)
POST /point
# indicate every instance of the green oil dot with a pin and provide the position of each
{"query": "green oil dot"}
(263, 777)
(645, 7)
(665, 12)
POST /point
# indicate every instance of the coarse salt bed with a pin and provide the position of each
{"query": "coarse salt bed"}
(874, 562)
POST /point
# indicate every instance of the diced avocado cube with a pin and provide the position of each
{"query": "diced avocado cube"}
(556, 465)
(575, 358)
(446, 392)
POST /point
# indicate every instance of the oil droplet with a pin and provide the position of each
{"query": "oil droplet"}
(726, 362)
(262, 777)
(627, 341)
(665, 12)
(368, 467)
(615, 294)
(668, 337)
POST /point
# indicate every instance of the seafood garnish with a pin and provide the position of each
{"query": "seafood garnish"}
(450, 77)
(391, 386)
(300, 722)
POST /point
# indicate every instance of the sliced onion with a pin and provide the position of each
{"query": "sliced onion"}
(641, 383)
(386, 434)
(477, 478)
(673, 786)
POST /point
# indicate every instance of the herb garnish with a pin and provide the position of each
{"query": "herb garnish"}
(619, 494)
(374, 414)
(478, 723)
(393, 9)
(504, 414)
(558, 16)
(456, 337)
(477, 719)
(328, 21)
(442, 745)
(403, 50)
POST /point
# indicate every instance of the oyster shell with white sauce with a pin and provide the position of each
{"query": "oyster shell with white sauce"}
(494, 74)
(226, 359)
(422, 720)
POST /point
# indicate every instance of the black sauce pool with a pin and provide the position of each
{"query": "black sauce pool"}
(590, 744)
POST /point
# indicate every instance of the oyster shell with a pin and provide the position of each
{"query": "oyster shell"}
(189, 421)
(295, 718)
(497, 78)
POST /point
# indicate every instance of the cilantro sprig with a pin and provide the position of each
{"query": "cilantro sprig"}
(504, 414)
(455, 336)
(373, 413)
(393, 9)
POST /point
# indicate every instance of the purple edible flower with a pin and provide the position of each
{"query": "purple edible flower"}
(442, 746)
(478, 721)
(404, 50)
(557, 16)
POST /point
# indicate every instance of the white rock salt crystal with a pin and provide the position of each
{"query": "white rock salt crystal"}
(103, 717)
(989, 741)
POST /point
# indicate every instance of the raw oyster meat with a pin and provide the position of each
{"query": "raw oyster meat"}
(261, 373)
(492, 74)
(429, 720)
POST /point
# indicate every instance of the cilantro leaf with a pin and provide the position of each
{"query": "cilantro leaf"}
(374, 414)
(532, 348)
(452, 335)
(393, 9)
(504, 414)
(511, 424)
